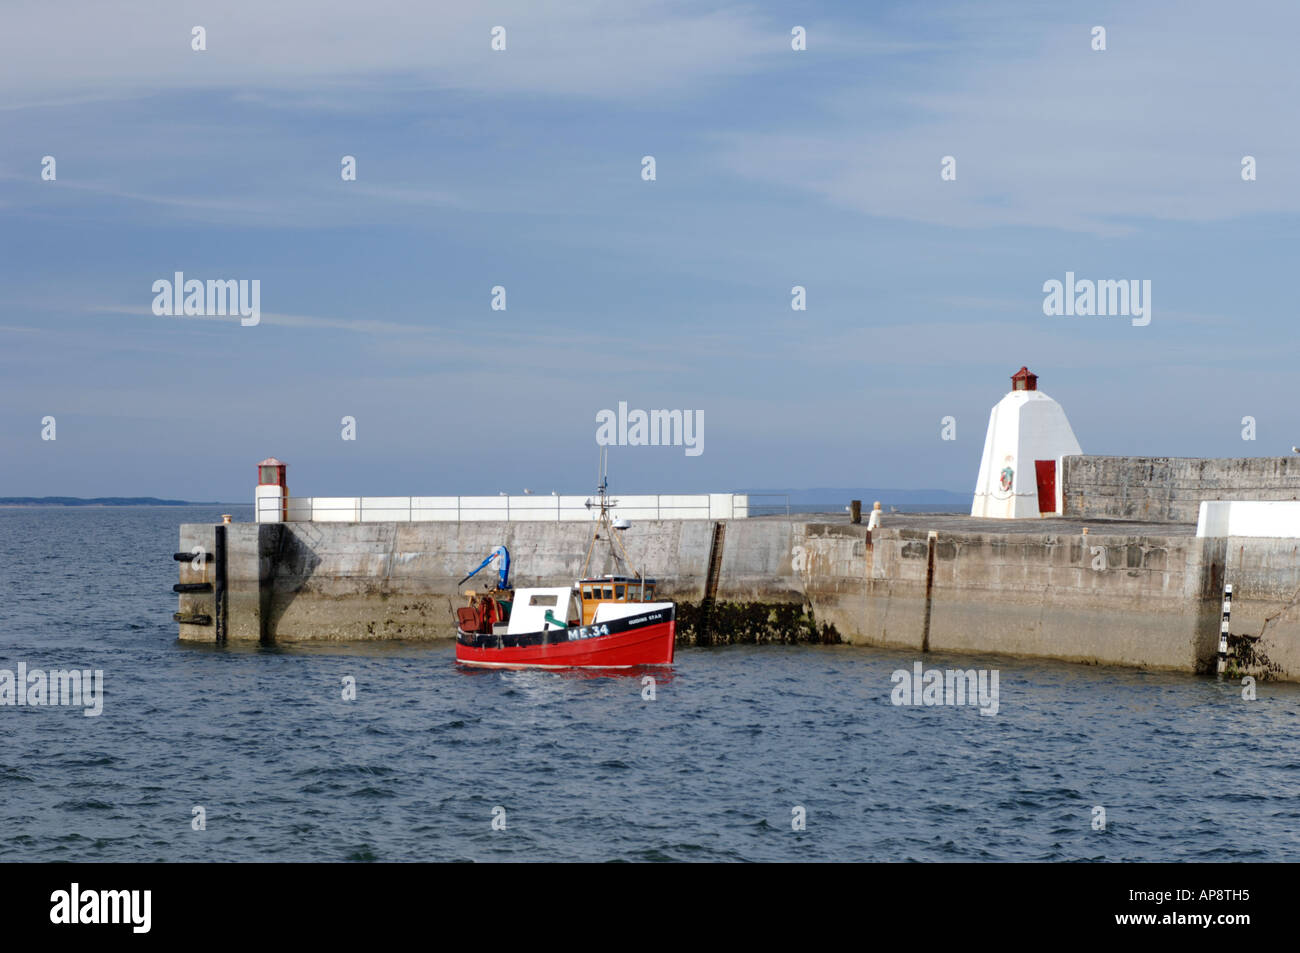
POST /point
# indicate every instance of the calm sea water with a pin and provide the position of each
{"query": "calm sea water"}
(585, 769)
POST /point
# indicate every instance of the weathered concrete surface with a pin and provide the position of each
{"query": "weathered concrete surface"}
(1265, 577)
(199, 534)
(1127, 600)
(250, 558)
(1106, 597)
(1170, 489)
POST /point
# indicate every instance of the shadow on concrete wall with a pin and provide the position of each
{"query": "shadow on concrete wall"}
(287, 564)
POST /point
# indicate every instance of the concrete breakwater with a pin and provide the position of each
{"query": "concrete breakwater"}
(1123, 594)
(1171, 489)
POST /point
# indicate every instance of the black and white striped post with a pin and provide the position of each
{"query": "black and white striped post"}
(1223, 628)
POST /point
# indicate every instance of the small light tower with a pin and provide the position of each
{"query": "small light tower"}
(1027, 438)
(271, 499)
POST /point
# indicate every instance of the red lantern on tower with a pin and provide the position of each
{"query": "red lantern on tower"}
(1024, 379)
(271, 499)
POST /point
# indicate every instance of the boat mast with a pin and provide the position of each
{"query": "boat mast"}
(605, 505)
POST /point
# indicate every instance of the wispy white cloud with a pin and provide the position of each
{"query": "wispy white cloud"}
(585, 48)
(550, 346)
(1059, 135)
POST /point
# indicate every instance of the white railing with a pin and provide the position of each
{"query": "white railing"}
(456, 509)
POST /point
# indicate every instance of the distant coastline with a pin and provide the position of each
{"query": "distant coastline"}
(97, 501)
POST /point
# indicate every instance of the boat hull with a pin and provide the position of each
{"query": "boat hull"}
(645, 639)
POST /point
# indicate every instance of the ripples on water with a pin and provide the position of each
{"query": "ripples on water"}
(586, 769)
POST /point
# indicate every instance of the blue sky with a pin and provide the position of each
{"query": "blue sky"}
(522, 168)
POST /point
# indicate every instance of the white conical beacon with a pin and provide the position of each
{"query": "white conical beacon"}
(1027, 438)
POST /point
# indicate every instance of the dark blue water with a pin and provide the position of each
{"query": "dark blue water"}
(584, 768)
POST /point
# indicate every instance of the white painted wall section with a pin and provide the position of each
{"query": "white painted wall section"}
(1269, 519)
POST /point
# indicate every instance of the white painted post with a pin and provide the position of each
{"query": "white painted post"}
(1223, 628)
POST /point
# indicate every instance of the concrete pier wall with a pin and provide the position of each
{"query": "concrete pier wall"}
(1265, 577)
(1151, 601)
(1126, 600)
(1170, 489)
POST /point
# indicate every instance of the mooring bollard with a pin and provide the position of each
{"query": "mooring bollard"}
(1223, 628)
(855, 511)
(874, 522)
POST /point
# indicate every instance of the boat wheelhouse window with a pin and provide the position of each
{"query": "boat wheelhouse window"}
(609, 592)
(541, 600)
(586, 592)
(634, 592)
(649, 593)
(618, 592)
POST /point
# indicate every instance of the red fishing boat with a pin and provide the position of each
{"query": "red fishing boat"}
(564, 627)
(609, 621)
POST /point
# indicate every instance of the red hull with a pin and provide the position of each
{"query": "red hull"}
(644, 645)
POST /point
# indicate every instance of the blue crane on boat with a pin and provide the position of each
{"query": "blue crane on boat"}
(503, 570)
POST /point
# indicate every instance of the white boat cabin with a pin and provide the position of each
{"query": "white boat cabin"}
(596, 599)
(530, 607)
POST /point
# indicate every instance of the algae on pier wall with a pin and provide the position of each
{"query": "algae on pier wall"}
(732, 623)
